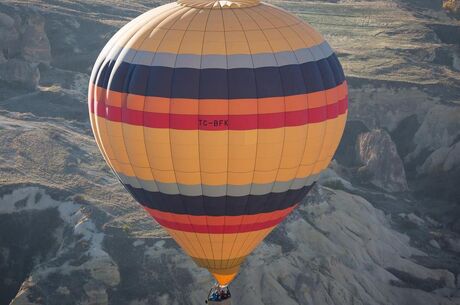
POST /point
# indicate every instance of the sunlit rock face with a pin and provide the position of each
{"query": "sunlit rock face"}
(25, 45)
(35, 46)
(339, 249)
(20, 72)
(336, 248)
(382, 164)
(451, 5)
(53, 242)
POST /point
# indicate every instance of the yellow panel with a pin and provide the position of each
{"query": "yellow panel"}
(185, 150)
(215, 22)
(186, 177)
(176, 136)
(153, 41)
(192, 43)
(277, 41)
(192, 245)
(99, 125)
(213, 153)
(303, 31)
(185, 244)
(320, 166)
(227, 246)
(214, 178)
(171, 41)
(261, 21)
(329, 139)
(185, 158)
(239, 250)
(269, 148)
(315, 35)
(158, 146)
(342, 120)
(183, 21)
(115, 138)
(199, 22)
(314, 143)
(240, 178)
(292, 38)
(294, 146)
(135, 145)
(270, 136)
(214, 43)
(236, 43)
(160, 156)
(257, 42)
(99, 141)
(265, 177)
(172, 18)
(118, 168)
(215, 166)
(247, 242)
(216, 241)
(144, 173)
(126, 168)
(157, 135)
(231, 22)
(269, 14)
(243, 163)
(286, 174)
(304, 171)
(168, 176)
(243, 137)
(247, 23)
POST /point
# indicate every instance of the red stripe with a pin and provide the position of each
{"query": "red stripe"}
(219, 225)
(220, 122)
(219, 229)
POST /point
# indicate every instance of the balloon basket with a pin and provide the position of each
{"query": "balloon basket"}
(219, 295)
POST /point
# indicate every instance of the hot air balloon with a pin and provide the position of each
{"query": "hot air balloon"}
(218, 117)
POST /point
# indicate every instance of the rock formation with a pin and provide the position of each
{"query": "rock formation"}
(20, 72)
(25, 45)
(451, 5)
(382, 164)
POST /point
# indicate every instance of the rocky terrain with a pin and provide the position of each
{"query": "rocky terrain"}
(382, 226)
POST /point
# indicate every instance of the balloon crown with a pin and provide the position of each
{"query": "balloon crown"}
(219, 3)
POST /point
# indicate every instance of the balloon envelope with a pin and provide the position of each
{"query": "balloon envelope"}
(218, 116)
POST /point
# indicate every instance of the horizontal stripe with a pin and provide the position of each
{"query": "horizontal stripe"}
(218, 206)
(219, 220)
(217, 190)
(214, 61)
(217, 251)
(221, 83)
(210, 262)
(218, 106)
(219, 157)
(226, 229)
(221, 122)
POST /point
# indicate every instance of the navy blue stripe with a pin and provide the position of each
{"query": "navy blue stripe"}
(218, 206)
(237, 83)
